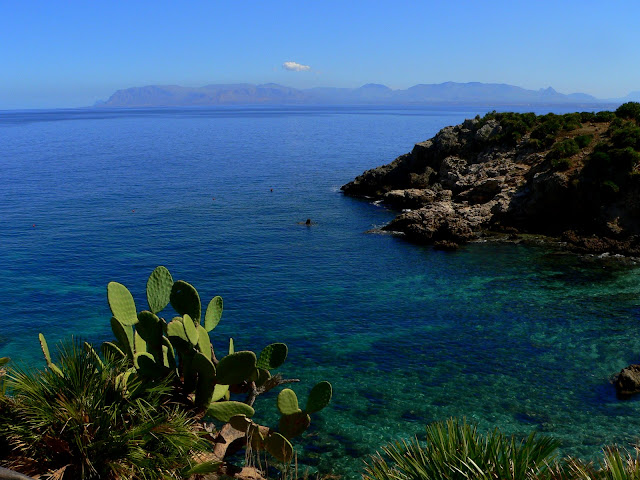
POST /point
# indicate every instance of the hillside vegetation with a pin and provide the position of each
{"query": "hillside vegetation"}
(573, 175)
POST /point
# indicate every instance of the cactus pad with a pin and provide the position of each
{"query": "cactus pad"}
(149, 327)
(185, 300)
(204, 343)
(121, 303)
(272, 356)
(223, 411)
(147, 366)
(190, 329)
(159, 289)
(279, 447)
(177, 335)
(240, 423)
(139, 344)
(206, 379)
(288, 402)
(293, 425)
(319, 397)
(124, 336)
(213, 314)
(236, 368)
(219, 392)
(232, 348)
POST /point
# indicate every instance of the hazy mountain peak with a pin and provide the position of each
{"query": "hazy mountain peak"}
(489, 94)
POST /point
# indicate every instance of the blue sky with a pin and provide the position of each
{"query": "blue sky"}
(68, 53)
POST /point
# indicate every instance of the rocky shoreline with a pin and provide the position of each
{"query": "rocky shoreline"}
(477, 178)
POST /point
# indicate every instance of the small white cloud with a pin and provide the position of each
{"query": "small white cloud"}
(295, 67)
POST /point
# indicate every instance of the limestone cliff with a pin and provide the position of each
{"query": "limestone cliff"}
(567, 176)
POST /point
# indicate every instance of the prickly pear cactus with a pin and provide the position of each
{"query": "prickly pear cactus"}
(181, 349)
(295, 421)
(223, 411)
(213, 314)
(236, 368)
(159, 289)
(272, 356)
(185, 300)
(121, 303)
(288, 402)
(319, 397)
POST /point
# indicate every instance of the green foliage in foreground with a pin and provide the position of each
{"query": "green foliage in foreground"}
(77, 420)
(181, 352)
(138, 410)
(454, 450)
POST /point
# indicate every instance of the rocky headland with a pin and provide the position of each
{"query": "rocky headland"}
(572, 177)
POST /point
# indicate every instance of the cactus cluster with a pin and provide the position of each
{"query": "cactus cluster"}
(180, 350)
(182, 347)
(294, 421)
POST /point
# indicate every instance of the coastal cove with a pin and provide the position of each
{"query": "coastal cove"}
(520, 337)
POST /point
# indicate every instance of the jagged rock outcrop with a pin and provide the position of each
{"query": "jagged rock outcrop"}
(471, 179)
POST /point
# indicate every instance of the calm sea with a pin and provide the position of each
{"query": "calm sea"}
(519, 337)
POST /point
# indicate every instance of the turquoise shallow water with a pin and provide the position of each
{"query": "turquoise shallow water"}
(520, 337)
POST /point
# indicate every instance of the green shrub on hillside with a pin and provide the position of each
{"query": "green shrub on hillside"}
(587, 117)
(625, 135)
(604, 116)
(571, 121)
(561, 163)
(583, 140)
(549, 124)
(629, 110)
(564, 148)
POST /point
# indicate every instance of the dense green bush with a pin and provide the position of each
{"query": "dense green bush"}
(454, 450)
(587, 117)
(629, 110)
(564, 148)
(625, 135)
(78, 420)
(604, 116)
(571, 121)
(549, 124)
(584, 140)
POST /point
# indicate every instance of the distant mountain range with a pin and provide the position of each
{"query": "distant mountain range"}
(370, 94)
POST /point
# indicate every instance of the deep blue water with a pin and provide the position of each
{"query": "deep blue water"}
(519, 337)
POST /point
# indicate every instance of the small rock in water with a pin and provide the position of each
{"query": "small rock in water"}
(627, 382)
